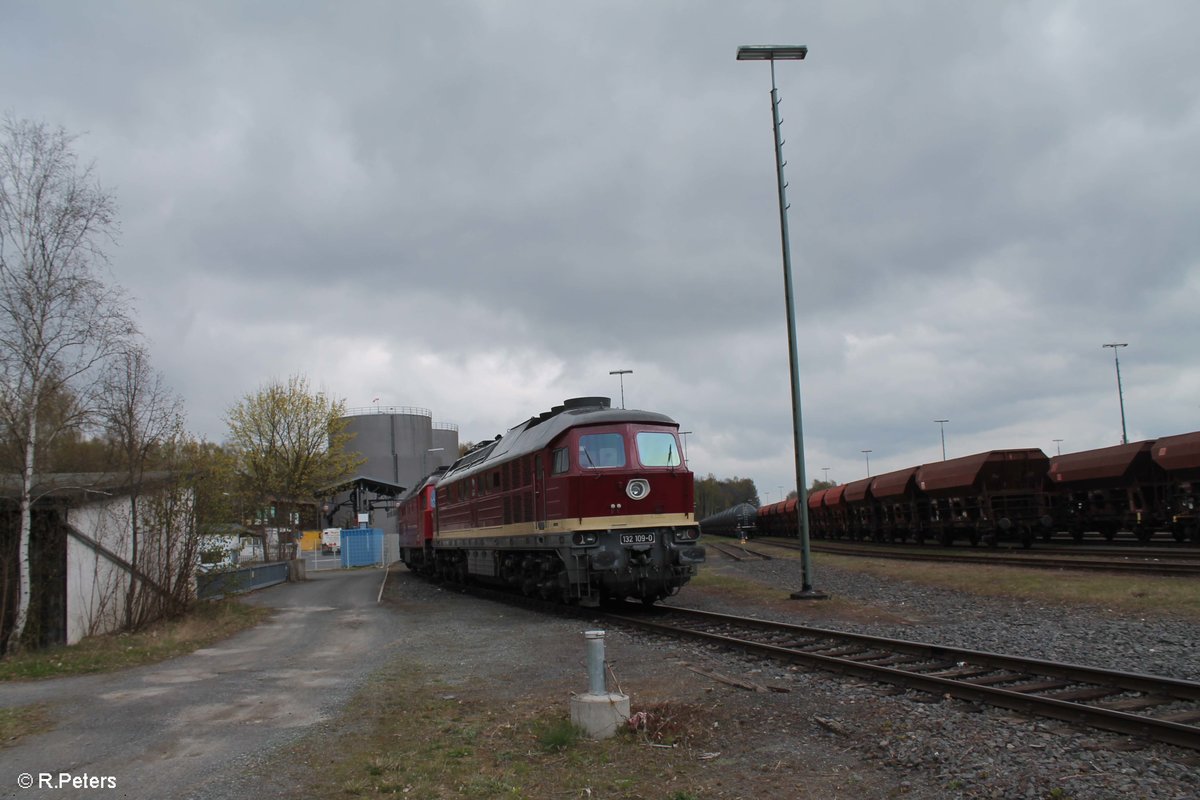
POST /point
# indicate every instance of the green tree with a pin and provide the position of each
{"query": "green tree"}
(288, 443)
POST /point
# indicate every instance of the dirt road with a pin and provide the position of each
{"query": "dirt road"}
(198, 726)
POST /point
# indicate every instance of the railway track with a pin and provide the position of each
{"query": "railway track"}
(1162, 709)
(738, 552)
(1156, 562)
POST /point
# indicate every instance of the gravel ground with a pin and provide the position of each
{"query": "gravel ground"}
(949, 748)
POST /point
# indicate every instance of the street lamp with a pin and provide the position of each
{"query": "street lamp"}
(867, 453)
(773, 53)
(1058, 444)
(425, 456)
(942, 423)
(684, 434)
(621, 373)
(1120, 395)
(826, 473)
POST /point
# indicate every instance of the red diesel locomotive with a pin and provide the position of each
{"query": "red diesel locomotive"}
(581, 503)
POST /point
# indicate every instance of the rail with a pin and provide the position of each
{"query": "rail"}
(1160, 708)
(1162, 562)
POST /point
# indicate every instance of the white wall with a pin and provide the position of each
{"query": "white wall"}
(96, 587)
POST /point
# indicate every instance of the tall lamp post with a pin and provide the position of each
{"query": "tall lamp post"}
(1058, 445)
(942, 423)
(684, 435)
(867, 453)
(1120, 395)
(425, 457)
(621, 373)
(771, 54)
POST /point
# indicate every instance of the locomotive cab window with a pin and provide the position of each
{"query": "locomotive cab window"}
(657, 449)
(599, 450)
(560, 461)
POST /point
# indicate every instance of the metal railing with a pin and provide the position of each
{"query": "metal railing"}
(212, 585)
(414, 411)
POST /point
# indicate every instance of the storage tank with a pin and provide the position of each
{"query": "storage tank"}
(445, 445)
(400, 443)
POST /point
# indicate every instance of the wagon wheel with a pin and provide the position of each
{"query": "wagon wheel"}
(1027, 537)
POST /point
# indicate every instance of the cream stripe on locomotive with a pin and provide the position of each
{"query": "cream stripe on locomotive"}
(571, 525)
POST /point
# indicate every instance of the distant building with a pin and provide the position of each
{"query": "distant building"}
(401, 445)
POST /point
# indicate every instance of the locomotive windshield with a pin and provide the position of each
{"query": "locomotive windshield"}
(601, 450)
(657, 449)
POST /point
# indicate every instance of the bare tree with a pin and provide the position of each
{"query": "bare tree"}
(141, 416)
(58, 320)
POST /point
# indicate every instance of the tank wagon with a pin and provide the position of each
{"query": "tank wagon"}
(1014, 495)
(580, 503)
(738, 521)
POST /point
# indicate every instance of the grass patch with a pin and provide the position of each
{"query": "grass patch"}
(407, 735)
(21, 721)
(205, 624)
(710, 578)
(1129, 594)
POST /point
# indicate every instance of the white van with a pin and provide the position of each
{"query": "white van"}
(331, 541)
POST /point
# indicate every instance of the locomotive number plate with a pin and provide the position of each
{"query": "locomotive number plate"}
(637, 538)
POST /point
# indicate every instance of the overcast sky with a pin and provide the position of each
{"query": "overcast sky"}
(482, 208)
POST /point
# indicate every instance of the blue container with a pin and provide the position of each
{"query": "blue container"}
(362, 547)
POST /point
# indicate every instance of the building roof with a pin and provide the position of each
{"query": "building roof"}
(75, 485)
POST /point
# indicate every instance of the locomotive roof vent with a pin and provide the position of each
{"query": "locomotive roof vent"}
(587, 402)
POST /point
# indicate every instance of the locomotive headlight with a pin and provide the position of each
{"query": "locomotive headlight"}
(687, 534)
(637, 488)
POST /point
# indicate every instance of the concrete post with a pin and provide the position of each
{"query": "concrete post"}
(599, 712)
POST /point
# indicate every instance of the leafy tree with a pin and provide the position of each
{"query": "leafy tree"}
(59, 322)
(288, 443)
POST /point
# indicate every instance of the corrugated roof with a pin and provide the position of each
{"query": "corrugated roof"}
(536, 433)
(961, 473)
(1178, 453)
(856, 491)
(892, 484)
(833, 497)
(1101, 464)
(814, 498)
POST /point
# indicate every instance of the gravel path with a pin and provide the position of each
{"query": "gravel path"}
(950, 748)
